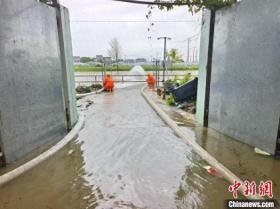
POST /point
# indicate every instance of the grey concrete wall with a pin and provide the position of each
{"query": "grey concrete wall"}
(203, 58)
(67, 65)
(245, 86)
(31, 100)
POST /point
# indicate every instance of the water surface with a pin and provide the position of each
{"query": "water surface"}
(125, 157)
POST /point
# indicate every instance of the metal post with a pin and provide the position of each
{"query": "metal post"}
(188, 53)
(103, 71)
(64, 70)
(164, 59)
(156, 73)
(209, 68)
(157, 70)
(164, 55)
(193, 57)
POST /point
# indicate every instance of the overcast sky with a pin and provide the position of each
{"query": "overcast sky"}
(91, 38)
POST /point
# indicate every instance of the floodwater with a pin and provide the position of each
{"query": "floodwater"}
(137, 73)
(125, 157)
(236, 156)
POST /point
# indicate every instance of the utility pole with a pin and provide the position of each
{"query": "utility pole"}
(155, 68)
(164, 54)
(157, 72)
(188, 53)
(189, 39)
(193, 56)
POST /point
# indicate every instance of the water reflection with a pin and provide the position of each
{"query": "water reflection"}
(57, 183)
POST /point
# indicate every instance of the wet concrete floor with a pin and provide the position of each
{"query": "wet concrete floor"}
(236, 156)
(125, 157)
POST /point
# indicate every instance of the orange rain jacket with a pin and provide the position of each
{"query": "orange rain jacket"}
(151, 80)
(108, 83)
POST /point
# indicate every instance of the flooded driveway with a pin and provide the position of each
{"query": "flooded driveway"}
(238, 157)
(125, 157)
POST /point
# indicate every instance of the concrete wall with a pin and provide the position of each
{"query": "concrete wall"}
(245, 85)
(203, 58)
(67, 65)
(31, 101)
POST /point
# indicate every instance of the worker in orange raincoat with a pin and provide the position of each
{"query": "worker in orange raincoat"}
(108, 83)
(151, 81)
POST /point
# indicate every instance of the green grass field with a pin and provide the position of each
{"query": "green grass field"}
(127, 68)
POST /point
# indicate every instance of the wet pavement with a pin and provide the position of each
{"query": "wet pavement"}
(236, 156)
(125, 157)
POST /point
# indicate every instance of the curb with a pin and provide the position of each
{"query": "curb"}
(5, 178)
(225, 172)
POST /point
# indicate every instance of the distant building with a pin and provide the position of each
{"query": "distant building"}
(107, 59)
(129, 61)
(141, 60)
(99, 58)
(77, 59)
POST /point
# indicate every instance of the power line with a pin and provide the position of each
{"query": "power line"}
(189, 38)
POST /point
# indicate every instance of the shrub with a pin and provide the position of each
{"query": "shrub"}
(83, 89)
(170, 100)
(88, 89)
(95, 87)
(186, 79)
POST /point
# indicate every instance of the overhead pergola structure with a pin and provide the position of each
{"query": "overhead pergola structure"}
(163, 3)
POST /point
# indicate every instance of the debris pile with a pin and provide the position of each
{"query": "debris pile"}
(88, 89)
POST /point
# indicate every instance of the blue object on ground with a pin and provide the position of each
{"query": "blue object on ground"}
(168, 87)
(185, 92)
